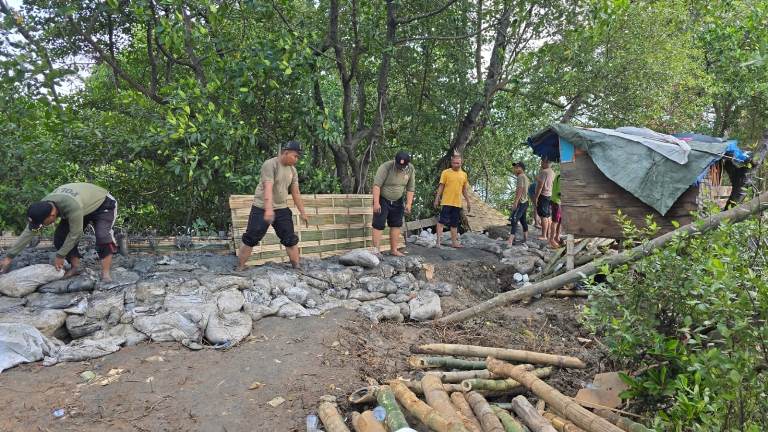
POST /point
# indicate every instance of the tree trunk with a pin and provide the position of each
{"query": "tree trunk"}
(737, 214)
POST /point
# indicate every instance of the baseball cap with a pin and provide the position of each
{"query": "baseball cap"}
(520, 164)
(291, 145)
(37, 213)
(402, 159)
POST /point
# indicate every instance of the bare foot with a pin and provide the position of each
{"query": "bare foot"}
(457, 246)
(105, 279)
(72, 272)
(241, 268)
(396, 253)
(542, 238)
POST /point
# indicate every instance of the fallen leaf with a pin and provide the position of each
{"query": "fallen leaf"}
(88, 375)
(276, 402)
(256, 385)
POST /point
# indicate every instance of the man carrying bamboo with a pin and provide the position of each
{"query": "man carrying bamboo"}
(393, 188)
(270, 205)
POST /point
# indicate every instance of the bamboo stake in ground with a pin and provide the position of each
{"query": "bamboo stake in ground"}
(366, 422)
(395, 419)
(528, 414)
(438, 398)
(500, 385)
(559, 402)
(416, 362)
(331, 417)
(736, 214)
(426, 414)
(501, 353)
(484, 413)
(561, 424)
(510, 423)
(624, 424)
(459, 376)
(468, 417)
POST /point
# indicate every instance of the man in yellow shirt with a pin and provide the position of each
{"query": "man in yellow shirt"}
(453, 184)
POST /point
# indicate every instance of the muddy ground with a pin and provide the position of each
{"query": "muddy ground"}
(297, 360)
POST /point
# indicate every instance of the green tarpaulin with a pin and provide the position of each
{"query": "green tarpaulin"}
(654, 179)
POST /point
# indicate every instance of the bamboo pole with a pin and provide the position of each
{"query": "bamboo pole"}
(510, 423)
(734, 215)
(623, 423)
(459, 376)
(395, 419)
(438, 398)
(561, 424)
(416, 362)
(528, 414)
(429, 415)
(484, 413)
(366, 422)
(363, 395)
(418, 387)
(568, 293)
(468, 417)
(560, 403)
(501, 384)
(331, 417)
(501, 353)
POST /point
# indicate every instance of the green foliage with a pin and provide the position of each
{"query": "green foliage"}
(692, 317)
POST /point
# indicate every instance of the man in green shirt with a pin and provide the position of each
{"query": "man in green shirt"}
(557, 215)
(77, 204)
(270, 205)
(393, 189)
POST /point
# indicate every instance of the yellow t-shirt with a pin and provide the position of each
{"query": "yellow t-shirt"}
(454, 182)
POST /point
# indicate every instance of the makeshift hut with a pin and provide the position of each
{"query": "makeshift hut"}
(637, 171)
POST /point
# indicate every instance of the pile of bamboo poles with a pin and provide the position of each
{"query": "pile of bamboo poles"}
(584, 250)
(467, 388)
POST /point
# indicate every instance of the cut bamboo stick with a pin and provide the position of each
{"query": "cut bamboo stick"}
(468, 417)
(623, 423)
(500, 384)
(501, 353)
(734, 215)
(568, 293)
(438, 398)
(510, 423)
(484, 413)
(366, 422)
(559, 402)
(417, 362)
(528, 414)
(426, 414)
(363, 395)
(561, 424)
(331, 417)
(459, 376)
(395, 419)
(418, 388)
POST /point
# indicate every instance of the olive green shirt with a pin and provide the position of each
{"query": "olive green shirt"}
(282, 177)
(394, 182)
(523, 184)
(74, 201)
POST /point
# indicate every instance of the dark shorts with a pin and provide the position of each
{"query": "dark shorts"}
(103, 221)
(519, 215)
(544, 207)
(557, 214)
(257, 227)
(391, 214)
(450, 216)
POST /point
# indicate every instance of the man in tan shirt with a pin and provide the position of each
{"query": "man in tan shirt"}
(393, 189)
(543, 199)
(270, 205)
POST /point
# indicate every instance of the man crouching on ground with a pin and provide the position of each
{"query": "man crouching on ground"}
(78, 205)
(270, 205)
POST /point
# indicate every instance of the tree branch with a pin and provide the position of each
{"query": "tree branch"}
(427, 14)
(196, 66)
(438, 38)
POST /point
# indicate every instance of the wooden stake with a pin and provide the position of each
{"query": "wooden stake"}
(468, 417)
(331, 417)
(438, 398)
(426, 414)
(366, 422)
(501, 353)
(530, 416)
(624, 424)
(484, 413)
(734, 215)
(510, 423)
(559, 402)
(569, 252)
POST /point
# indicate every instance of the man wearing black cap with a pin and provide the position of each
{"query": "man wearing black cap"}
(77, 204)
(520, 204)
(270, 205)
(393, 189)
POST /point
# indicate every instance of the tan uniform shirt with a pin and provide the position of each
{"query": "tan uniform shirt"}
(283, 177)
(394, 182)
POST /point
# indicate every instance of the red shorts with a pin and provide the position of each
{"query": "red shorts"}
(557, 214)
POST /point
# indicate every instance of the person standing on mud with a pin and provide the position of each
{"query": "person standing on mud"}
(545, 181)
(270, 205)
(393, 188)
(78, 205)
(453, 184)
(520, 205)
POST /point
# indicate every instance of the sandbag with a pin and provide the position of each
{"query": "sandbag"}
(47, 321)
(228, 328)
(85, 349)
(169, 326)
(26, 280)
(359, 257)
(22, 343)
(380, 310)
(84, 282)
(425, 306)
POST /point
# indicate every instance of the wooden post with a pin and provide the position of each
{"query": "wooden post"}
(519, 356)
(530, 416)
(569, 252)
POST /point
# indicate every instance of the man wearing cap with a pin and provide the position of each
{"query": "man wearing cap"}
(393, 189)
(77, 204)
(520, 204)
(453, 184)
(270, 205)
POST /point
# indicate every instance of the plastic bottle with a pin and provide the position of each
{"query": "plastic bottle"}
(312, 423)
(379, 413)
